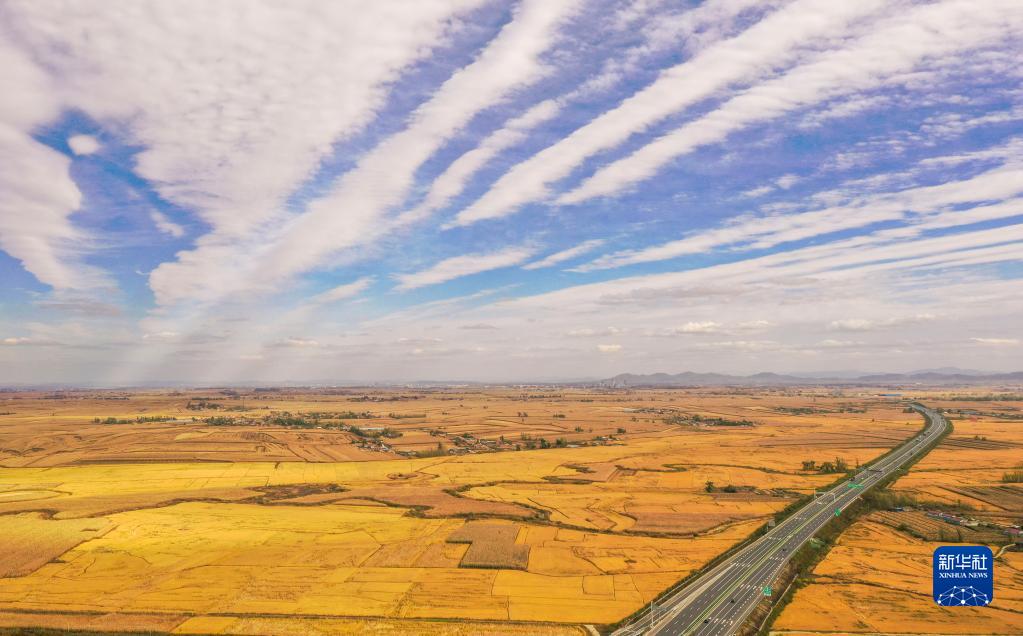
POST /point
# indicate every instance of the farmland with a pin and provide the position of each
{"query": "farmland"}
(514, 510)
(877, 579)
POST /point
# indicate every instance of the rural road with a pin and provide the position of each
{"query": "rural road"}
(718, 602)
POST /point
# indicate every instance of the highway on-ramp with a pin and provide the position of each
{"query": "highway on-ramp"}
(719, 601)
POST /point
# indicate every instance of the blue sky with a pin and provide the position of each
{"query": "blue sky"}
(350, 191)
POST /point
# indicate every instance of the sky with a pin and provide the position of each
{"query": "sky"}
(409, 190)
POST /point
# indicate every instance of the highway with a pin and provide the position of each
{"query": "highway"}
(719, 601)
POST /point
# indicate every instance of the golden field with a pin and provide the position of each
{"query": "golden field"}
(877, 580)
(252, 526)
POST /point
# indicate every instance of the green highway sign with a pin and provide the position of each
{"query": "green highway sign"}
(838, 511)
(767, 590)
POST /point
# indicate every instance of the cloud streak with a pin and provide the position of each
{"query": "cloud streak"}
(459, 266)
(469, 189)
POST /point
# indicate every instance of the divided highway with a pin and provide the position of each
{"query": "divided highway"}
(719, 601)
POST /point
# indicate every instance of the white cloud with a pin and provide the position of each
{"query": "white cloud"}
(588, 332)
(927, 207)
(754, 193)
(165, 225)
(343, 291)
(864, 324)
(452, 181)
(565, 255)
(778, 38)
(383, 177)
(37, 195)
(887, 297)
(746, 345)
(924, 32)
(161, 335)
(787, 181)
(831, 343)
(458, 266)
(853, 324)
(231, 121)
(708, 326)
(83, 144)
(298, 343)
(27, 340)
(1009, 342)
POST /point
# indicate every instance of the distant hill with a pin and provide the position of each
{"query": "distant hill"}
(927, 378)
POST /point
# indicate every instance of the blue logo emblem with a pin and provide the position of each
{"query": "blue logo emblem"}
(963, 575)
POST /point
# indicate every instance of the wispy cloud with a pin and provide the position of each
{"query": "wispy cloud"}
(166, 226)
(752, 53)
(565, 255)
(867, 324)
(341, 292)
(926, 207)
(1001, 342)
(459, 266)
(924, 32)
(706, 185)
(384, 176)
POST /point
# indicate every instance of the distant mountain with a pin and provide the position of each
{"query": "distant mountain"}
(848, 373)
(947, 371)
(958, 377)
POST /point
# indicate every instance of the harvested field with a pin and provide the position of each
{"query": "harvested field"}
(597, 500)
(1008, 498)
(435, 501)
(878, 578)
(878, 581)
(31, 540)
(978, 444)
(928, 528)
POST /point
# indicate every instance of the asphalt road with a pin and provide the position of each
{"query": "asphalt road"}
(718, 602)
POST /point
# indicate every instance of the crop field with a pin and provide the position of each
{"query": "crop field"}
(878, 578)
(969, 468)
(514, 511)
(491, 545)
(931, 528)
(878, 581)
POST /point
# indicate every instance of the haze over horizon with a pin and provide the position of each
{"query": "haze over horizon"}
(251, 191)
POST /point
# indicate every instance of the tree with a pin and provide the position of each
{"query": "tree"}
(709, 487)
